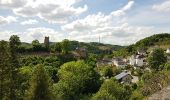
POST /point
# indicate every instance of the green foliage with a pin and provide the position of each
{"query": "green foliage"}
(167, 66)
(65, 46)
(156, 59)
(4, 70)
(14, 43)
(40, 85)
(106, 71)
(150, 41)
(36, 45)
(153, 82)
(137, 95)
(111, 89)
(76, 78)
(25, 73)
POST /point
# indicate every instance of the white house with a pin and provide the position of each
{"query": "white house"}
(132, 60)
(168, 50)
(140, 60)
(136, 60)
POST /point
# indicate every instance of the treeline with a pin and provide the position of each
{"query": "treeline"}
(66, 45)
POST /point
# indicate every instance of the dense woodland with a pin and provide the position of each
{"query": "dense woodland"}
(51, 72)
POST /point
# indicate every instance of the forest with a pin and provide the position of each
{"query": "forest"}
(54, 71)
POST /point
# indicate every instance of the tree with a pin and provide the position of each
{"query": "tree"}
(4, 70)
(156, 59)
(75, 79)
(111, 89)
(40, 85)
(106, 71)
(65, 46)
(58, 47)
(36, 45)
(14, 43)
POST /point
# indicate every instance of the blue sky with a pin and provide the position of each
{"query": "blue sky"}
(120, 22)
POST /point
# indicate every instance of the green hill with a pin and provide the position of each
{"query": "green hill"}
(157, 40)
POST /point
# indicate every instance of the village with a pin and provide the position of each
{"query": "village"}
(137, 61)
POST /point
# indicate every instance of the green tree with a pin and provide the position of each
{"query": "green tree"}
(111, 89)
(14, 43)
(4, 70)
(40, 85)
(65, 46)
(58, 47)
(106, 71)
(75, 79)
(156, 59)
(36, 45)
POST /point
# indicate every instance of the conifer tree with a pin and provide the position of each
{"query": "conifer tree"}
(4, 67)
(40, 85)
(14, 43)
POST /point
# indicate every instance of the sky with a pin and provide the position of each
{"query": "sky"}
(118, 22)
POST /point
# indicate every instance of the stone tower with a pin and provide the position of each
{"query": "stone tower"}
(46, 41)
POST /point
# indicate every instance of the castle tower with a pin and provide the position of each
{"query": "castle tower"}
(46, 41)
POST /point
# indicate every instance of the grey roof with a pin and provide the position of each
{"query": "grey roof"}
(121, 75)
(139, 56)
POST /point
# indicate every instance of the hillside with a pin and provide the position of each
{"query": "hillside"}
(157, 40)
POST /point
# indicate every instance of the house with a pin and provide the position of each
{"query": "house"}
(118, 62)
(132, 60)
(168, 50)
(104, 62)
(137, 60)
(124, 77)
(140, 60)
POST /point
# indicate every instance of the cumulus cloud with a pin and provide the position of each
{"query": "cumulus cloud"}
(163, 7)
(7, 20)
(110, 28)
(53, 11)
(12, 3)
(29, 22)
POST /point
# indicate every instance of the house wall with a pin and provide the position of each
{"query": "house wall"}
(139, 62)
(167, 51)
(132, 61)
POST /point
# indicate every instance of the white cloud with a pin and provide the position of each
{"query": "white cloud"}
(123, 10)
(53, 11)
(163, 7)
(7, 20)
(29, 22)
(12, 3)
(111, 28)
